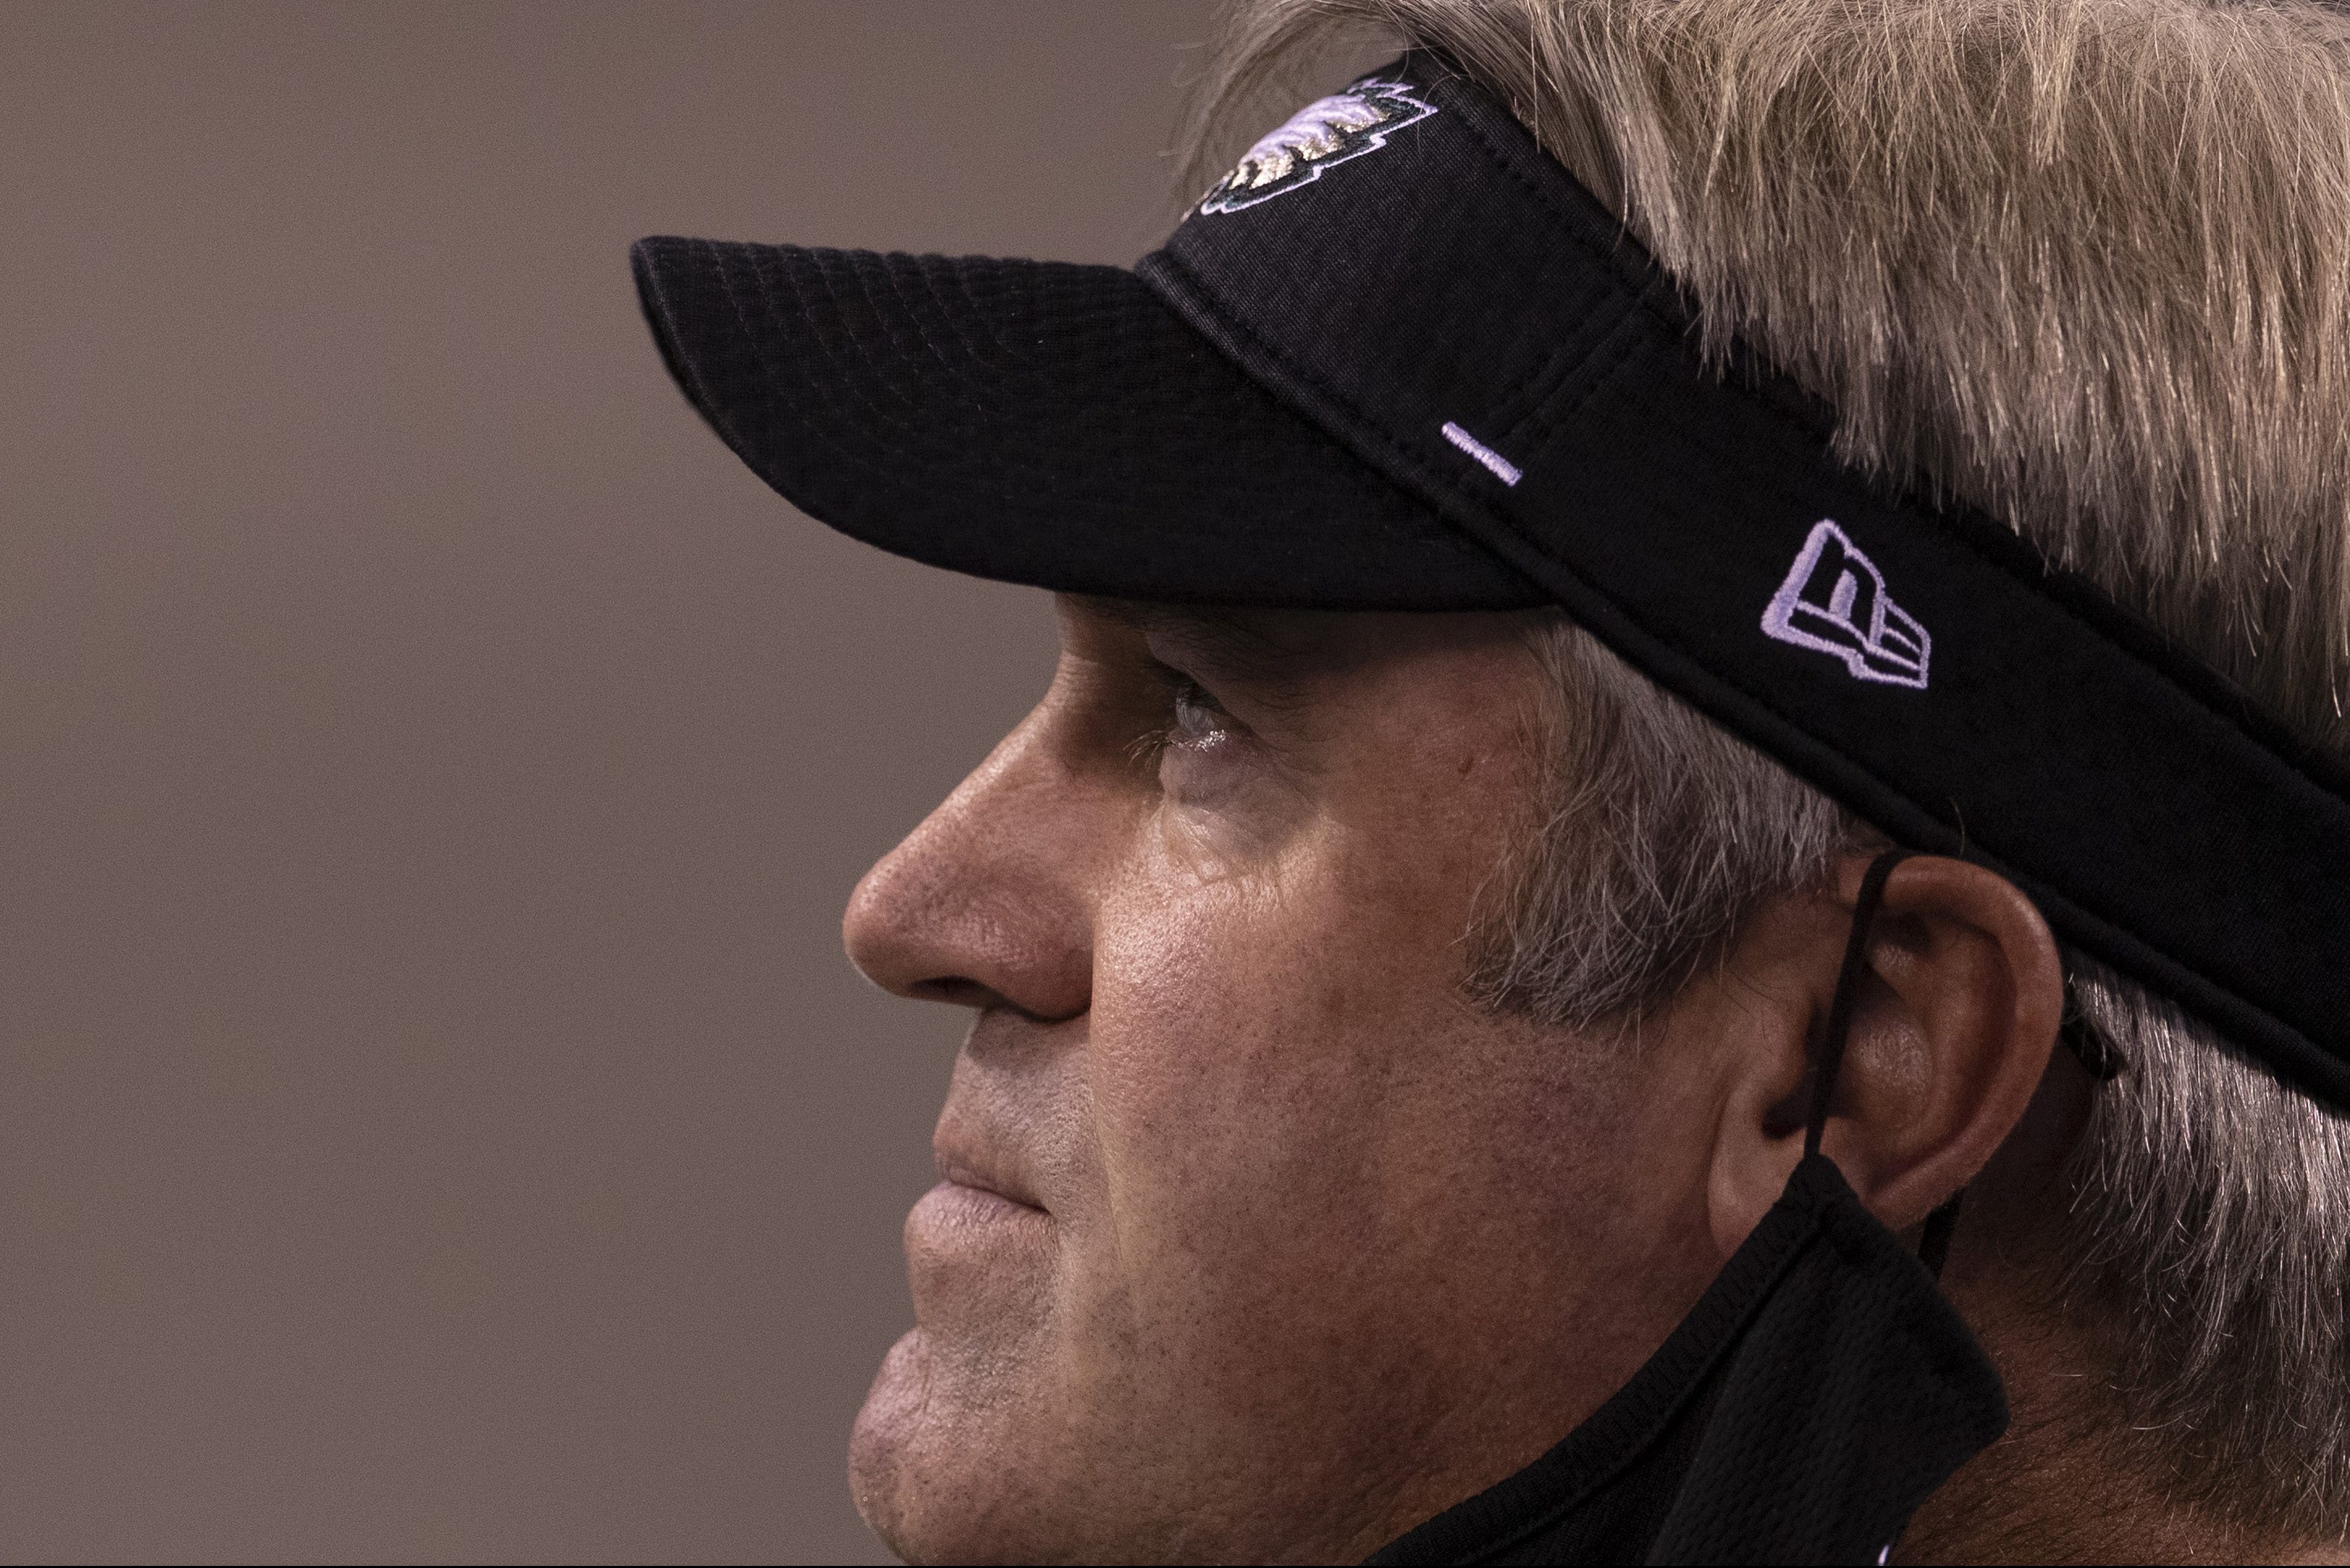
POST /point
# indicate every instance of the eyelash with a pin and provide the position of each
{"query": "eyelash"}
(1183, 694)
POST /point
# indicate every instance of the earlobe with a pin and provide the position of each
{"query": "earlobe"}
(1953, 1022)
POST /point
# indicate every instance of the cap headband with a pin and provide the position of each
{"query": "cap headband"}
(1403, 265)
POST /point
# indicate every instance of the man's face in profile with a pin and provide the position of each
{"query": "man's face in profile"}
(1238, 1192)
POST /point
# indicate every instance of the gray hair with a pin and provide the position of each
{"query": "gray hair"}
(2085, 264)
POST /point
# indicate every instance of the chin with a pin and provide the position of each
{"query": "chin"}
(934, 1476)
(882, 1448)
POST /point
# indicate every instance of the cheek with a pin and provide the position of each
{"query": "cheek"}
(1247, 1037)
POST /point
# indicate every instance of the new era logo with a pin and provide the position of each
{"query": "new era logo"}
(1835, 600)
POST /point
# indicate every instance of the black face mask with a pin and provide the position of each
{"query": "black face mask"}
(1821, 1389)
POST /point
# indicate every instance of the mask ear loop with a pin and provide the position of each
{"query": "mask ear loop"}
(1934, 1245)
(1830, 1060)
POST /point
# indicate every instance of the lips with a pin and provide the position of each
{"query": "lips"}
(965, 1168)
(996, 1132)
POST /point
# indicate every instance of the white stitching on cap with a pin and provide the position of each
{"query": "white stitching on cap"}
(1835, 600)
(1501, 467)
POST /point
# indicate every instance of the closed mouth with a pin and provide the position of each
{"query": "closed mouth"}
(956, 1171)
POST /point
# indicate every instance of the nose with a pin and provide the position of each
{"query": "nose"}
(988, 902)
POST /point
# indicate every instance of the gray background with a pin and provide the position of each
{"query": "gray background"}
(436, 1119)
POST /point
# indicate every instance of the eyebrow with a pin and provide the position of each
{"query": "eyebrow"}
(1231, 641)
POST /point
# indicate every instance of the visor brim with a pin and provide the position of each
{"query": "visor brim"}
(1039, 422)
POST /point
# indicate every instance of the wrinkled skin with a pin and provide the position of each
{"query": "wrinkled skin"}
(1254, 1241)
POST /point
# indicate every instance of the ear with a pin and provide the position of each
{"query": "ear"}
(1951, 1030)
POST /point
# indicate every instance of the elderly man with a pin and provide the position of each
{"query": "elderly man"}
(1689, 629)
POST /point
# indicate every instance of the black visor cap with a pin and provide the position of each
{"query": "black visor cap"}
(1399, 359)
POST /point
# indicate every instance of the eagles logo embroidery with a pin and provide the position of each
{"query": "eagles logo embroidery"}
(1327, 132)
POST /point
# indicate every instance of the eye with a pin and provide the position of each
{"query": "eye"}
(1198, 719)
(1198, 749)
(1219, 788)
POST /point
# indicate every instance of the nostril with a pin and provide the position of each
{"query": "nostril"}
(955, 991)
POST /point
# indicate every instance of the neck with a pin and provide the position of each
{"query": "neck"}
(2066, 1484)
